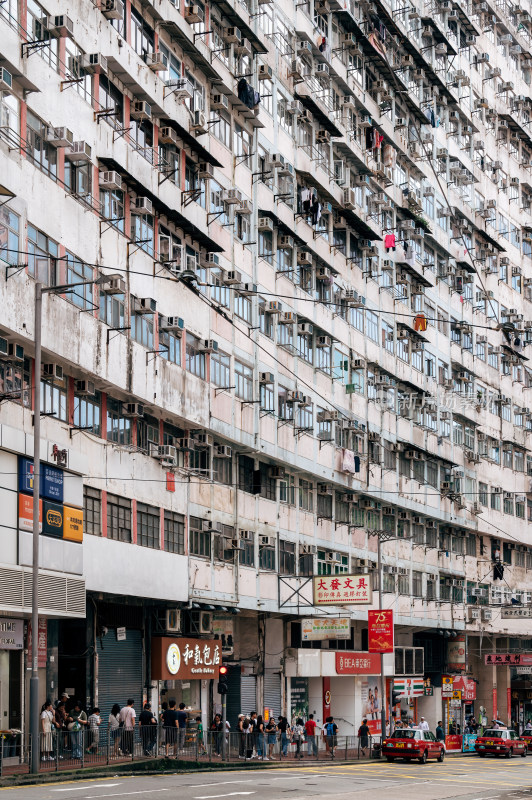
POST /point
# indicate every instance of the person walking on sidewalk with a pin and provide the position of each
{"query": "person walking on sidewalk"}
(181, 726)
(199, 737)
(284, 728)
(363, 736)
(440, 733)
(127, 719)
(113, 726)
(330, 732)
(297, 736)
(423, 724)
(94, 730)
(310, 730)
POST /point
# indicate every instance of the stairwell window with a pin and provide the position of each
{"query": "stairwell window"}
(199, 539)
(92, 510)
(148, 526)
(174, 532)
(118, 518)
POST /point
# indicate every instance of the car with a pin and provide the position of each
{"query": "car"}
(527, 736)
(411, 744)
(501, 742)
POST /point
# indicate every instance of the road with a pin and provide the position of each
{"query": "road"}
(463, 778)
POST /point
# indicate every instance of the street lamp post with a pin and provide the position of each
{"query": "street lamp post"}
(383, 691)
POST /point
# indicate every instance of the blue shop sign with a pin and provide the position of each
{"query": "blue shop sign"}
(51, 480)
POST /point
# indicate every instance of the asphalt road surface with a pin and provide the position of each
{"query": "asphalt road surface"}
(463, 778)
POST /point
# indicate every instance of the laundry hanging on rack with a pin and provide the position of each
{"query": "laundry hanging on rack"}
(389, 241)
(247, 94)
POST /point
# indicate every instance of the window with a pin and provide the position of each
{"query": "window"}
(78, 272)
(78, 179)
(287, 490)
(267, 553)
(87, 412)
(287, 558)
(246, 474)
(118, 518)
(142, 232)
(118, 426)
(83, 86)
(148, 527)
(92, 510)
(170, 345)
(267, 397)
(222, 469)
(241, 145)
(247, 552)
(42, 255)
(112, 207)
(54, 397)
(194, 358)
(199, 539)
(243, 307)
(111, 100)
(15, 381)
(221, 127)
(417, 584)
(147, 432)
(174, 532)
(243, 381)
(112, 309)
(221, 369)
(142, 38)
(40, 152)
(9, 235)
(305, 495)
(142, 328)
(265, 321)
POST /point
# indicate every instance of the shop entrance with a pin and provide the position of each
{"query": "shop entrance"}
(72, 667)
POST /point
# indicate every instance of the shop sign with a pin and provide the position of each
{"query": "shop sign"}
(51, 484)
(42, 643)
(453, 743)
(72, 524)
(25, 513)
(52, 520)
(121, 634)
(408, 687)
(447, 686)
(11, 634)
(358, 664)
(334, 590)
(170, 482)
(467, 686)
(457, 694)
(456, 652)
(468, 742)
(380, 631)
(313, 630)
(185, 659)
(516, 613)
(523, 670)
(508, 659)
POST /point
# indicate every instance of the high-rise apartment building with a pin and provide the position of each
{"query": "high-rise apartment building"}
(287, 255)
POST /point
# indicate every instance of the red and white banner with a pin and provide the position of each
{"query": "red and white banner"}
(358, 664)
(380, 631)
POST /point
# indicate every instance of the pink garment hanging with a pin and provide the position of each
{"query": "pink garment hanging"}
(389, 240)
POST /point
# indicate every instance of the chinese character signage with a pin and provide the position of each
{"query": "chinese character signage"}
(25, 513)
(380, 631)
(51, 480)
(185, 659)
(508, 659)
(337, 590)
(319, 629)
(72, 524)
(41, 642)
(447, 686)
(358, 664)
(53, 520)
(467, 687)
(516, 612)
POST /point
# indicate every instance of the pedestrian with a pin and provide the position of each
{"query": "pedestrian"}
(271, 737)
(94, 730)
(113, 728)
(297, 736)
(261, 751)
(363, 736)
(241, 737)
(440, 733)
(47, 719)
(331, 731)
(253, 731)
(148, 729)
(199, 737)
(77, 722)
(423, 724)
(528, 726)
(216, 730)
(247, 730)
(284, 729)
(127, 719)
(60, 716)
(170, 724)
(310, 730)
(164, 707)
(181, 726)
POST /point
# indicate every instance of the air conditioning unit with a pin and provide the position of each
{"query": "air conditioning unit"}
(265, 72)
(94, 64)
(59, 26)
(474, 613)
(54, 371)
(172, 324)
(231, 277)
(265, 224)
(181, 88)
(168, 135)
(142, 205)
(60, 137)
(323, 341)
(208, 346)
(486, 614)
(198, 122)
(304, 258)
(305, 329)
(173, 620)
(203, 440)
(186, 443)
(277, 473)
(157, 61)
(79, 152)
(285, 242)
(85, 388)
(193, 14)
(113, 9)
(166, 454)
(223, 451)
(349, 198)
(110, 180)
(219, 102)
(133, 410)
(140, 110)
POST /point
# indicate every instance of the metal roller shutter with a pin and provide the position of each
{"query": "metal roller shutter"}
(272, 693)
(248, 694)
(120, 670)
(233, 695)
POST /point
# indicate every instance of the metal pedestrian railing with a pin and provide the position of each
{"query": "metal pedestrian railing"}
(63, 749)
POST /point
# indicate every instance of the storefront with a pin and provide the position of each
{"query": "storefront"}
(182, 669)
(11, 655)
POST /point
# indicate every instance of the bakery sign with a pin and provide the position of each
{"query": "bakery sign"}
(338, 590)
(184, 659)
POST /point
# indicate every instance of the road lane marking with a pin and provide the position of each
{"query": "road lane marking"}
(125, 794)
(92, 786)
(212, 796)
(218, 783)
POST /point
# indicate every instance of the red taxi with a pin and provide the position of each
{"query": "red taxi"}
(527, 736)
(500, 742)
(411, 744)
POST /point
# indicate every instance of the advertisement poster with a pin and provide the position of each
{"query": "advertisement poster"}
(371, 703)
(298, 698)
(380, 631)
(468, 743)
(456, 652)
(321, 629)
(41, 642)
(334, 590)
(453, 743)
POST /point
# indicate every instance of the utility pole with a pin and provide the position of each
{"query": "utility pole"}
(34, 680)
